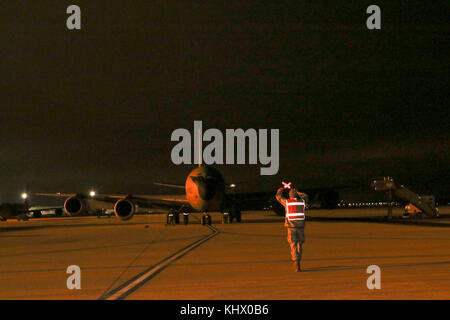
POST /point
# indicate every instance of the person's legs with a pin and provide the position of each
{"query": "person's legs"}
(293, 244)
(300, 239)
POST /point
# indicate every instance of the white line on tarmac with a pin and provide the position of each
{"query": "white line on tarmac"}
(129, 288)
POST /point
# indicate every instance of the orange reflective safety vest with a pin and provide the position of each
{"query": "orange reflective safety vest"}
(295, 210)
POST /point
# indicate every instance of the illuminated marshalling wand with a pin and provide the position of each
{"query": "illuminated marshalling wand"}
(286, 185)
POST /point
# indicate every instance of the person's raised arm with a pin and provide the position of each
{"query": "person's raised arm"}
(281, 199)
(303, 196)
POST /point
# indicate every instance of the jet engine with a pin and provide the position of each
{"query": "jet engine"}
(74, 206)
(124, 209)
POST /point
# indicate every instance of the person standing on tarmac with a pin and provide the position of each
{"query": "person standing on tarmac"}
(294, 222)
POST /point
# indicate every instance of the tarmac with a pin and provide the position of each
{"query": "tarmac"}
(145, 259)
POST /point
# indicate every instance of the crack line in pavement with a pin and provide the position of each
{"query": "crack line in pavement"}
(130, 286)
(129, 265)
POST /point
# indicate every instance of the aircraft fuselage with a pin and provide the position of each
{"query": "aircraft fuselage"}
(205, 189)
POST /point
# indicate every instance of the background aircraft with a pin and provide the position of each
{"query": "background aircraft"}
(21, 211)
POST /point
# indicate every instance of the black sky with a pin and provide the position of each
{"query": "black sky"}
(96, 107)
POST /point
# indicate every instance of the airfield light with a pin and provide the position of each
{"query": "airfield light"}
(24, 196)
(92, 193)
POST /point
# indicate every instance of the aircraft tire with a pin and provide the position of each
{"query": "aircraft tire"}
(236, 213)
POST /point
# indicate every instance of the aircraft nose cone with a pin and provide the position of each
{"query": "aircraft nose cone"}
(206, 187)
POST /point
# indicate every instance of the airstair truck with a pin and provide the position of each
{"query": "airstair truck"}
(387, 184)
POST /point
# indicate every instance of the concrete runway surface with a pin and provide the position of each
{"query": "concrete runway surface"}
(144, 259)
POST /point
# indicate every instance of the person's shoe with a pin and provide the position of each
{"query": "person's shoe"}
(296, 266)
(299, 267)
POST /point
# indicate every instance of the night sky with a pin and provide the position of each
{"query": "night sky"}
(95, 108)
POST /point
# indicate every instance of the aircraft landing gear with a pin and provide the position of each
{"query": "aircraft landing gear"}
(177, 216)
(206, 219)
(236, 213)
(231, 212)
(225, 218)
(184, 211)
(170, 218)
(185, 218)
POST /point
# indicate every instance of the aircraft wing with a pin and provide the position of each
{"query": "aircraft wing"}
(323, 197)
(161, 202)
(43, 208)
(57, 195)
